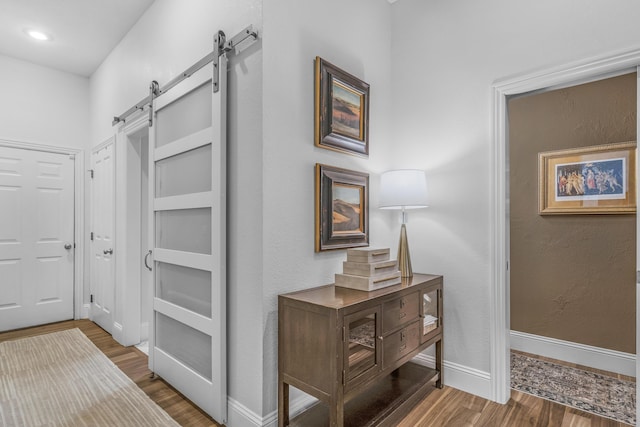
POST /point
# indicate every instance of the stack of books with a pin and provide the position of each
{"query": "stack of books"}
(430, 323)
(368, 270)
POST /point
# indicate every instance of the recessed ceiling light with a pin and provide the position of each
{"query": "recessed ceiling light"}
(38, 35)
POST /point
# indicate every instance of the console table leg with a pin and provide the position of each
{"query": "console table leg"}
(439, 368)
(283, 404)
(336, 414)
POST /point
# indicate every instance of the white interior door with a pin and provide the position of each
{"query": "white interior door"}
(102, 243)
(36, 237)
(187, 205)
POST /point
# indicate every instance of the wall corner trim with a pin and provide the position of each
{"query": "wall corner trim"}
(581, 354)
(84, 312)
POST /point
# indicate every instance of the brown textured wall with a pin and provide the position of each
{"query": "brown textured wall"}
(572, 276)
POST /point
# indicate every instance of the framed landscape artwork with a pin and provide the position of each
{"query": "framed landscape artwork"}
(341, 110)
(342, 208)
(590, 180)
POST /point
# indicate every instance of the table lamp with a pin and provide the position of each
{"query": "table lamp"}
(403, 189)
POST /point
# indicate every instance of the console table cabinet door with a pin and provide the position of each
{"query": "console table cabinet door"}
(431, 313)
(362, 353)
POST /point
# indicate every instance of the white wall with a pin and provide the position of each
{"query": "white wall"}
(445, 56)
(430, 66)
(271, 213)
(42, 105)
(355, 36)
(170, 37)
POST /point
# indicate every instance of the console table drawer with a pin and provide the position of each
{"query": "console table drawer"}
(400, 343)
(399, 311)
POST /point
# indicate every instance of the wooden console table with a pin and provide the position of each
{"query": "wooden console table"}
(352, 349)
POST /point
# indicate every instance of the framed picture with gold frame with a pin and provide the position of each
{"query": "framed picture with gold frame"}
(342, 208)
(599, 179)
(341, 110)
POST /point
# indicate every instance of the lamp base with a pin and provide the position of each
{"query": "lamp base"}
(404, 259)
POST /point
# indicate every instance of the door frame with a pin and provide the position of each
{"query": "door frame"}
(80, 306)
(128, 260)
(571, 74)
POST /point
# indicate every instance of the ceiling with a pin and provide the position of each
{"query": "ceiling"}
(84, 31)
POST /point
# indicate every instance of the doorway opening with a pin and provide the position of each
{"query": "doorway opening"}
(138, 202)
(571, 275)
(133, 288)
(568, 75)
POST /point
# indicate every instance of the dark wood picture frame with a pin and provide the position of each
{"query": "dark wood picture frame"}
(341, 110)
(342, 208)
(598, 179)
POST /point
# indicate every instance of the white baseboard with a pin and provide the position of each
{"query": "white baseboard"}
(241, 416)
(462, 377)
(296, 407)
(581, 354)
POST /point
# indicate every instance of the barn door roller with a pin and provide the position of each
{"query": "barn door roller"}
(220, 46)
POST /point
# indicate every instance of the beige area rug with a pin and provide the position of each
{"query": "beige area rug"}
(63, 379)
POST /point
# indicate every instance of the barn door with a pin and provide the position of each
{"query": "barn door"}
(187, 239)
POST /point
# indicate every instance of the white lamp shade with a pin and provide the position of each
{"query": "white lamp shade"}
(403, 189)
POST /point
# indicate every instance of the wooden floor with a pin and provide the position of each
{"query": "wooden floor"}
(452, 407)
(132, 362)
(446, 407)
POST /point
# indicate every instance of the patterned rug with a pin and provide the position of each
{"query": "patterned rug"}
(588, 391)
(63, 379)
